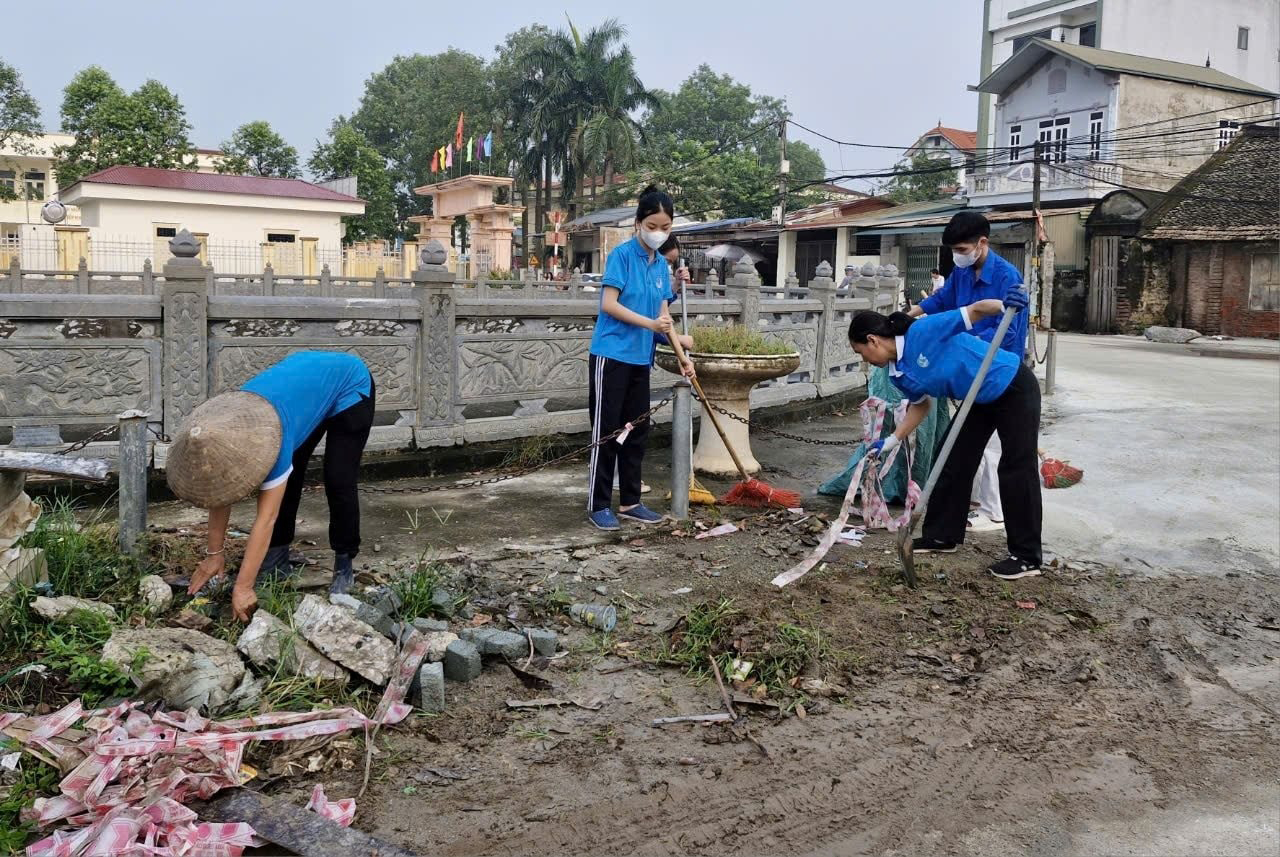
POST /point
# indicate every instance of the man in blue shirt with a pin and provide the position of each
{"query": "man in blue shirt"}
(262, 436)
(981, 274)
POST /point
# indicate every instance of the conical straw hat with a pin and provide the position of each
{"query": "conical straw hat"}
(224, 450)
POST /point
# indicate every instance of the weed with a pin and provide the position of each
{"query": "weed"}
(36, 779)
(278, 597)
(532, 451)
(74, 649)
(418, 588)
(707, 631)
(550, 603)
(533, 734)
(736, 339)
(83, 558)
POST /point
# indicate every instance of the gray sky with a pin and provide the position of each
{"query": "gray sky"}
(856, 70)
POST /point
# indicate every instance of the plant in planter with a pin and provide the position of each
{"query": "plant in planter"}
(730, 362)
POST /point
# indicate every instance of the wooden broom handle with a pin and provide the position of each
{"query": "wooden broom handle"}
(706, 407)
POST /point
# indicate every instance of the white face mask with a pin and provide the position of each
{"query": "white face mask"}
(964, 260)
(654, 240)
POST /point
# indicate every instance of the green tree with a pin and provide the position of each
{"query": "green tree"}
(147, 128)
(410, 108)
(256, 149)
(348, 153)
(19, 121)
(924, 178)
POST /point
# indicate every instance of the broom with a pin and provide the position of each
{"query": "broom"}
(698, 493)
(1058, 474)
(750, 491)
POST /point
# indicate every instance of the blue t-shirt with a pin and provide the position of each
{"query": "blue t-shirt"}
(939, 357)
(642, 287)
(306, 389)
(995, 280)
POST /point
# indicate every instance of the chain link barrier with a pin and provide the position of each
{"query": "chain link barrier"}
(1035, 353)
(776, 432)
(106, 433)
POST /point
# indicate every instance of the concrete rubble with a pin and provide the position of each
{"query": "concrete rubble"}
(498, 643)
(368, 614)
(544, 642)
(269, 643)
(185, 668)
(1175, 335)
(462, 662)
(61, 607)
(156, 594)
(354, 644)
(437, 643)
(427, 691)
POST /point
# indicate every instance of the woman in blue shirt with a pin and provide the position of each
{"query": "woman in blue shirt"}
(936, 357)
(634, 294)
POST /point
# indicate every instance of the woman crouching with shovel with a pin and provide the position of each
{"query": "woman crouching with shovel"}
(934, 357)
(262, 437)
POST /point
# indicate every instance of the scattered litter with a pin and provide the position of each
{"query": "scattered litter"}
(852, 536)
(343, 812)
(533, 681)
(191, 619)
(684, 590)
(718, 717)
(1026, 605)
(9, 761)
(602, 617)
(722, 530)
(739, 670)
(796, 510)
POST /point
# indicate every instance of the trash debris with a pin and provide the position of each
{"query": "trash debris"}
(342, 812)
(718, 717)
(188, 618)
(722, 530)
(684, 590)
(1026, 605)
(739, 670)
(852, 536)
(602, 617)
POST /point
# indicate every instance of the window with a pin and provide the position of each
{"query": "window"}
(866, 245)
(1264, 282)
(1020, 42)
(281, 237)
(166, 232)
(1242, 38)
(1089, 35)
(1015, 141)
(1095, 135)
(9, 181)
(1053, 138)
(1227, 130)
(34, 181)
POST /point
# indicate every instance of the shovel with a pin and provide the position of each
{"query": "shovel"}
(907, 533)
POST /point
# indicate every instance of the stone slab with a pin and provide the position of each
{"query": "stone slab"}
(428, 625)
(185, 668)
(462, 662)
(427, 691)
(1176, 335)
(59, 608)
(498, 643)
(337, 633)
(544, 642)
(367, 613)
(268, 642)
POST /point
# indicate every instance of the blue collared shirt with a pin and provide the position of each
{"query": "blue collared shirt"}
(642, 287)
(940, 357)
(994, 281)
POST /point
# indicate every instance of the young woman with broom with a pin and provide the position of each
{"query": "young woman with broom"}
(936, 357)
(634, 297)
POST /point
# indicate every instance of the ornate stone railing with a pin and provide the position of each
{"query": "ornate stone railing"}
(455, 361)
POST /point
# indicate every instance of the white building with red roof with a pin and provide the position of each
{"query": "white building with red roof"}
(948, 143)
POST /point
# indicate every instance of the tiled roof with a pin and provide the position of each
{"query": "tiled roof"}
(1233, 196)
(965, 141)
(214, 183)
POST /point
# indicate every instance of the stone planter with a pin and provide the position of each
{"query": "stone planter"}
(727, 380)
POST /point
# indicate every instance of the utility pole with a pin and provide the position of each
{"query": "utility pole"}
(1038, 249)
(783, 169)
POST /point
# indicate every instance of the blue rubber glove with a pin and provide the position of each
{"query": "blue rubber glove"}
(1017, 297)
(883, 446)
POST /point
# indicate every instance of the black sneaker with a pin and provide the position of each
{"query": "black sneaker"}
(278, 565)
(1013, 568)
(344, 576)
(923, 545)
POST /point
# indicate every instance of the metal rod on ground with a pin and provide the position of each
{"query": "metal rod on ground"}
(133, 478)
(1051, 363)
(681, 446)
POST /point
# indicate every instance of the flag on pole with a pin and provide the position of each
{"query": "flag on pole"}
(448, 155)
(457, 135)
(479, 147)
(488, 144)
(435, 161)
(471, 147)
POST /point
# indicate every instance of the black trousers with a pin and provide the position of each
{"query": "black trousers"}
(617, 393)
(345, 434)
(1015, 417)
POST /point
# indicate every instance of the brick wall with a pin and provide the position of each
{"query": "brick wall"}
(1204, 287)
(1237, 318)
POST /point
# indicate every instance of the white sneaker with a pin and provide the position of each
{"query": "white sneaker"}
(980, 523)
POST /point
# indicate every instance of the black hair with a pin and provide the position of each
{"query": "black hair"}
(966, 226)
(652, 201)
(933, 271)
(871, 323)
(672, 243)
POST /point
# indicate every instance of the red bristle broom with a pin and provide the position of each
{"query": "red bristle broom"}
(1058, 474)
(750, 491)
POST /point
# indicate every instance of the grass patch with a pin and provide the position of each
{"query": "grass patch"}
(532, 451)
(36, 779)
(707, 631)
(417, 590)
(736, 339)
(83, 557)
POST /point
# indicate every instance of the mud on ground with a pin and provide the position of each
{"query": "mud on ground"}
(972, 715)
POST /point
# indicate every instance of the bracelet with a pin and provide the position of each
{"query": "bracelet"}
(219, 552)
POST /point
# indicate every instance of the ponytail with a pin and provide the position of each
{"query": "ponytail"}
(869, 323)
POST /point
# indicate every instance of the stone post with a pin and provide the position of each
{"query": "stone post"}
(185, 299)
(822, 288)
(865, 286)
(744, 287)
(888, 286)
(133, 478)
(792, 283)
(713, 283)
(1050, 363)
(681, 449)
(433, 288)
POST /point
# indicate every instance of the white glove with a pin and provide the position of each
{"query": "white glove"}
(884, 446)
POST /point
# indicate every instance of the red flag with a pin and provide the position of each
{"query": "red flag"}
(457, 137)
(435, 161)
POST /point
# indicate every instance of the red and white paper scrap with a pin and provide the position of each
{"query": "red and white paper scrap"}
(131, 773)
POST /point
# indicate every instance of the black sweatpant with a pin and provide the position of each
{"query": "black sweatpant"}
(1015, 417)
(617, 393)
(345, 434)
